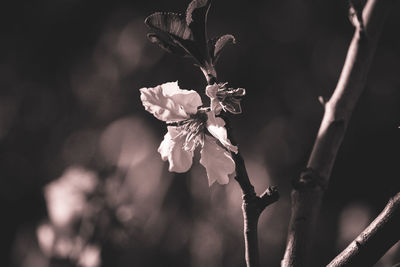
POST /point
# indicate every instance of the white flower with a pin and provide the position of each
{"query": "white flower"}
(188, 127)
(66, 197)
(225, 98)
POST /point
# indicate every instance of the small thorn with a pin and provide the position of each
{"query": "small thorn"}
(271, 192)
(322, 100)
(355, 14)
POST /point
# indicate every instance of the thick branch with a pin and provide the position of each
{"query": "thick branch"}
(308, 190)
(375, 240)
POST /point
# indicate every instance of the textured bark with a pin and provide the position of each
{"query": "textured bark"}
(375, 240)
(309, 188)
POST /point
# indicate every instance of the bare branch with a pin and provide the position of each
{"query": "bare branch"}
(252, 205)
(252, 208)
(309, 189)
(375, 240)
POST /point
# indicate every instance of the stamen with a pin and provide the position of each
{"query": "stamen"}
(193, 129)
(230, 98)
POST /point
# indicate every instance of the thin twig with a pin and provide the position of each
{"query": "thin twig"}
(309, 188)
(252, 205)
(252, 208)
(375, 240)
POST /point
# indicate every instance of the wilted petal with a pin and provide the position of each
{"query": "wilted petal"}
(211, 92)
(167, 102)
(217, 161)
(215, 126)
(231, 100)
(171, 149)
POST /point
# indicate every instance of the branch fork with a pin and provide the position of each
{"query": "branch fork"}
(252, 208)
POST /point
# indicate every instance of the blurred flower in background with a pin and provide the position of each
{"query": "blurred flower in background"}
(66, 197)
(72, 216)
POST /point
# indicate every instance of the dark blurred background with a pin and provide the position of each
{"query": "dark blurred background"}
(82, 183)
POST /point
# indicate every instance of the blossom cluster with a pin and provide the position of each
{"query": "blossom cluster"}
(190, 125)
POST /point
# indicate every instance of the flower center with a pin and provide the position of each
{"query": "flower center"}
(230, 98)
(224, 93)
(193, 129)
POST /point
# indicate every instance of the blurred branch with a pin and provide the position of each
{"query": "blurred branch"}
(309, 188)
(375, 240)
(252, 205)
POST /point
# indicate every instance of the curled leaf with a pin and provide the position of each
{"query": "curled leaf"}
(171, 23)
(220, 44)
(174, 35)
(187, 35)
(196, 19)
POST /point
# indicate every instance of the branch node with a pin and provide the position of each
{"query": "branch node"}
(271, 191)
(309, 179)
(355, 14)
(270, 196)
(249, 196)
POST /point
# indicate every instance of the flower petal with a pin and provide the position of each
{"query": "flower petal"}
(215, 126)
(217, 161)
(171, 149)
(189, 100)
(167, 102)
(163, 108)
(216, 106)
(211, 90)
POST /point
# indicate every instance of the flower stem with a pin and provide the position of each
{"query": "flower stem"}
(252, 205)
(309, 189)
